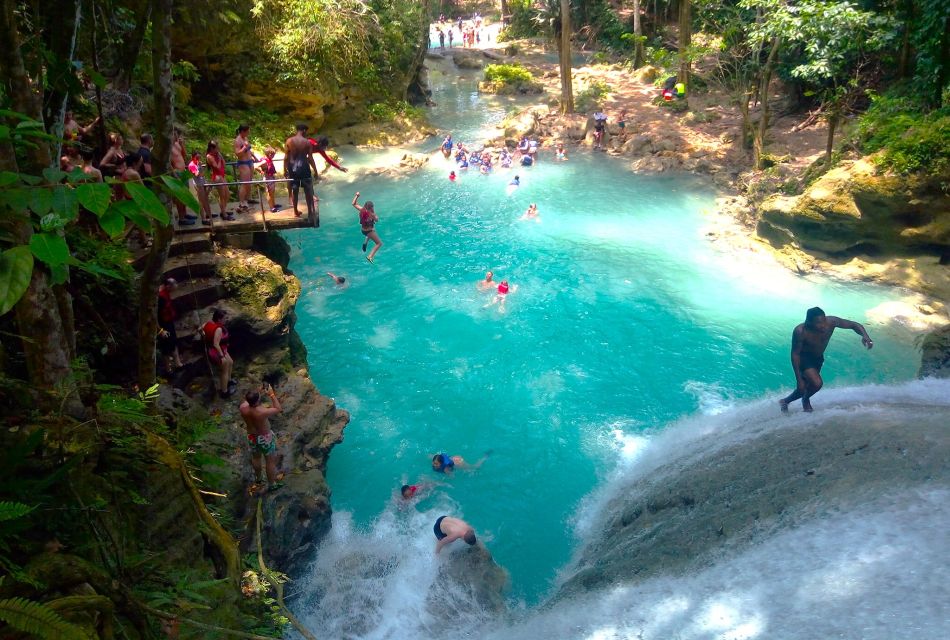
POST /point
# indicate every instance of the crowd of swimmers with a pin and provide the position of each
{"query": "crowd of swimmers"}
(471, 32)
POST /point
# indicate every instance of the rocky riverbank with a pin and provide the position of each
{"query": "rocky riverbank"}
(258, 294)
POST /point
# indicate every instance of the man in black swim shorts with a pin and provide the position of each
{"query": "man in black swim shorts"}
(809, 341)
(298, 161)
(448, 529)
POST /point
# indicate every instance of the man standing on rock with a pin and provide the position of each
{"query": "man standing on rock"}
(809, 341)
(448, 530)
(261, 438)
(298, 160)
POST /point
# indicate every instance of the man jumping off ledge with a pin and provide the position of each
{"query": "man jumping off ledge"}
(809, 341)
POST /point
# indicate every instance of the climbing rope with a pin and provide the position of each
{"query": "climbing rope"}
(278, 586)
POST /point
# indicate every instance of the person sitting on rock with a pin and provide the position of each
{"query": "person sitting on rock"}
(447, 530)
(261, 439)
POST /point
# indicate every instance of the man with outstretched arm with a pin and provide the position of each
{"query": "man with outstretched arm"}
(448, 529)
(298, 161)
(261, 439)
(809, 341)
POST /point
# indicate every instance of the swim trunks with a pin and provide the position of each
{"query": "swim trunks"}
(264, 444)
(811, 361)
(248, 163)
(437, 529)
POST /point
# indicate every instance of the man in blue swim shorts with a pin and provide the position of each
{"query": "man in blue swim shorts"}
(448, 529)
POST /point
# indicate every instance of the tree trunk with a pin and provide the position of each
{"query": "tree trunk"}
(164, 116)
(567, 90)
(638, 32)
(758, 143)
(37, 313)
(504, 10)
(685, 33)
(129, 51)
(830, 142)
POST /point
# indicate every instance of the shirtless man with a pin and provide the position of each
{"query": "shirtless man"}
(809, 341)
(448, 529)
(245, 164)
(487, 283)
(94, 174)
(298, 161)
(180, 170)
(261, 438)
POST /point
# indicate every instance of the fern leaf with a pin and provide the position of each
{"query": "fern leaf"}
(39, 620)
(13, 510)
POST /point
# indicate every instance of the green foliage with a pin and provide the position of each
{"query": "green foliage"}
(38, 620)
(910, 139)
(522, 23)
(328, 44)
(591, 97)
(390, 111)
(507, 74)
(13, 510)
(16, 266)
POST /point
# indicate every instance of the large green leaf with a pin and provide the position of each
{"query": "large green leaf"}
(112, 222)
(132, 213)
(59, 274)
(148, 202)
(65, 204)
(95, 197)
(38, 620)
(51, 248)
(8, 178)
(41, 201)
(53, 175)
(17, 198)
(179, 190)
(16, 268)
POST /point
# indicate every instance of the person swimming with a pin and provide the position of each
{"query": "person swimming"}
(559, 154)
(487, 283)
(340, 280)
(501, 294)
(444, 463)
(452, 176)
(515, 182)
(531, 213)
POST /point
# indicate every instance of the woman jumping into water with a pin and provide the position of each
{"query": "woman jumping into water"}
(368, 220)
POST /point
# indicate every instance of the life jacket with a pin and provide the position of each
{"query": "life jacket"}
(503, 288)
(166, 309)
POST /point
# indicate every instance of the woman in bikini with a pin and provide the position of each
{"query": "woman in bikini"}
(109, 163)
(368, 220)
(216, 164)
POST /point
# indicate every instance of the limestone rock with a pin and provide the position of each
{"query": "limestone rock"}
(637, 145)
(262, 296)
(854, 209)
(479, 578)
(935, 354)
(467, 59)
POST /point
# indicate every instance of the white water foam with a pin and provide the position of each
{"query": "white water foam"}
(877, 571)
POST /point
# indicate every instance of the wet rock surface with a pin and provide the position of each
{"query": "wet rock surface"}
(685, 515)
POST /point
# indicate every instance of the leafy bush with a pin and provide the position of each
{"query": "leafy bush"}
(522, 23)
(389, 111)
(507, 74)
(590, 97)
(909, 139)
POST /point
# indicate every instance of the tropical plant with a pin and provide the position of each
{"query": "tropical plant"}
(38, 620)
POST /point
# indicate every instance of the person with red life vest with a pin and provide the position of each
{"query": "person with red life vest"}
(368, 220)
(219, 176)
(269, 170)
(501, 294)
(167, 337)
(216, 340)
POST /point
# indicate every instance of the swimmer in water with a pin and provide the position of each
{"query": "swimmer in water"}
(515, 182)
(501, 294)
(444, 463)
(340, 280)
(448, 530)
(487, 283)
(531, 213)
(559, 154)
(452, 176)
(410, 491)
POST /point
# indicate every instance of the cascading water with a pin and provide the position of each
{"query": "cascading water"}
(624, 321)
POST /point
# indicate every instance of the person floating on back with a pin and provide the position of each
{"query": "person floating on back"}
(368, 220)
(809, 341)
(447, 530)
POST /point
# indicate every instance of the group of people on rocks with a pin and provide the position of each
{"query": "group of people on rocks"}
(471, 31)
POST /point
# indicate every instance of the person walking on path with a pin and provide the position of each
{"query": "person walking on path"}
(448, 529)
(809, 341)
(261, 439)
(368, 220)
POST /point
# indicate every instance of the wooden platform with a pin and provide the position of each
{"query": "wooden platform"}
(255, 220)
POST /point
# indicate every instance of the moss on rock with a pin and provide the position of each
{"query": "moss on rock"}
(258, 284)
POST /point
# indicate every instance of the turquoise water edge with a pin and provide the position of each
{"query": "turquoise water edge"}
(625, 319)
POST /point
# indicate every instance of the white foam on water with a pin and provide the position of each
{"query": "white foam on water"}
(711, 397)
(876, 571)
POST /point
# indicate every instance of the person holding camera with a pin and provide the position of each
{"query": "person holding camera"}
(262, 440)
